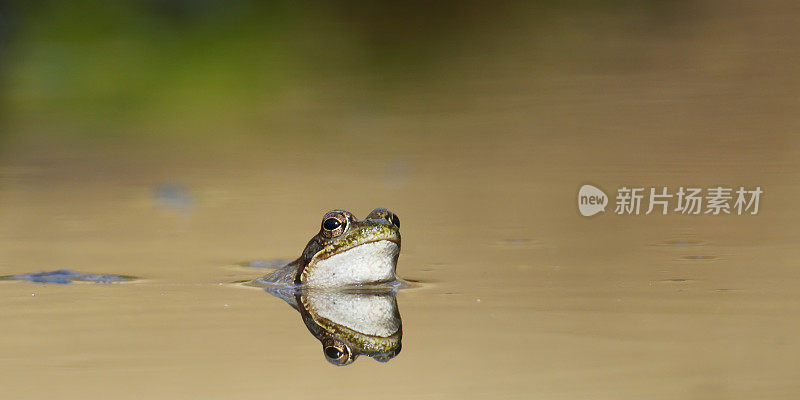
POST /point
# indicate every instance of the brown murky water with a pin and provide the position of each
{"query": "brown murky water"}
(519, 296)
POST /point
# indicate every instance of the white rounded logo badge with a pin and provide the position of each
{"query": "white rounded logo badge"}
(591, 200)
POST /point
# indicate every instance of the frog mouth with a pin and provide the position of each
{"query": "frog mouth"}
(367, 263)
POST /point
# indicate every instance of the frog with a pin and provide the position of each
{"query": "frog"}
(345, 252)
(344, 285)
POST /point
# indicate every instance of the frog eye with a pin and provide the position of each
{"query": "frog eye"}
(337, 353)
(394, 220)
(382, 213)
(333, 224)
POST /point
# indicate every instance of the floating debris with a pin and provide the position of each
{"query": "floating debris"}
(65, 276)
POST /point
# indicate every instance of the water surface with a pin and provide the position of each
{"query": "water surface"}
(517, 294)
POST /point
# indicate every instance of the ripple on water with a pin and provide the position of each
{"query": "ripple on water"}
(699, 257)
(65, 276)
(516, 243)
(680, 243)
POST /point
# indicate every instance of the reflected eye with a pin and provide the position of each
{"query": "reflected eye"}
(334, 224)
(395, 221)
(333, 352)
(336, 352)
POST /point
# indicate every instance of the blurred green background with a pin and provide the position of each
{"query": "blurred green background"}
(179, 69)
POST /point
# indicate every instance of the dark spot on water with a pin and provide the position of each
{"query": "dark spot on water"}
(174, 196)
(676, 280)
(65, 276)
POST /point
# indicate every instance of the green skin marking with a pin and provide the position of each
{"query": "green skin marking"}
(364, 232)
(360, 232)
(380, 224)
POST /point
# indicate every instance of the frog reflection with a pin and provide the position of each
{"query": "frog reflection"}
(349, 323)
